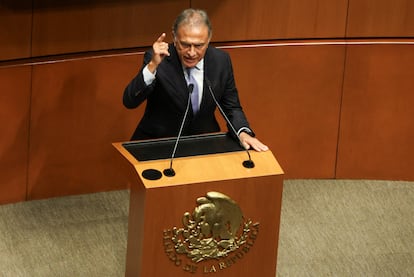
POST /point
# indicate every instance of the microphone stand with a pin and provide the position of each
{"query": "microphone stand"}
(248, 163)
(169, 172)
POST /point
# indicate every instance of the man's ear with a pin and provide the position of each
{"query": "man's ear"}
(174, 38)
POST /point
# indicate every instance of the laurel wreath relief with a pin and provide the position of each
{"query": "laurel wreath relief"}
(208, 233)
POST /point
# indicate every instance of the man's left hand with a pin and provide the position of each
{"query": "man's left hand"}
(251, 142)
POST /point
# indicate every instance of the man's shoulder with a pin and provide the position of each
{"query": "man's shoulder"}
(217, 51)
(217, 55)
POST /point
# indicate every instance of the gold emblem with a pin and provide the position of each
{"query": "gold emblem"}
(214, 230)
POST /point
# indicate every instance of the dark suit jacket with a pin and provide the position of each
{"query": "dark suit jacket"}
(167, 97)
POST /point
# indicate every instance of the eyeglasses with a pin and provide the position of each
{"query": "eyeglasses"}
(186, 46)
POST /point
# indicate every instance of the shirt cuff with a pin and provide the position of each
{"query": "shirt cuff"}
(245, 129)
(149, 77)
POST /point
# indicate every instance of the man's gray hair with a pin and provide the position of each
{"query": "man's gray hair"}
(192, 16)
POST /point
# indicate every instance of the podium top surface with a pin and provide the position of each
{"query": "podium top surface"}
(204, 158)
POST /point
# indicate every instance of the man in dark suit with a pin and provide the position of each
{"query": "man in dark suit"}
(164, 80)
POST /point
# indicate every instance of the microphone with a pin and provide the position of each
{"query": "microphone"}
(169, 172)
(248, 163)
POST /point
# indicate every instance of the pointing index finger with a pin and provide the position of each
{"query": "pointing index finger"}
(161, 38)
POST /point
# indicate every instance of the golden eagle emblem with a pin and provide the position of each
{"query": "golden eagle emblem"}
(214, 229)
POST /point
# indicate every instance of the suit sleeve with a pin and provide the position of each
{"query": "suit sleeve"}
(137, 91)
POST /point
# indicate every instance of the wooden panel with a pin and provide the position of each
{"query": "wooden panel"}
(381, 18)
(291, 95)
(77, 113)
(15, 29)
(76, 26)
(377, 127)
(259, 199)
(14, 142)
(274, 19)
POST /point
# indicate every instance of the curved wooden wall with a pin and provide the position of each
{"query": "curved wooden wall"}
(377, 117)
(326, 84)
(76, 112)
(15, 84)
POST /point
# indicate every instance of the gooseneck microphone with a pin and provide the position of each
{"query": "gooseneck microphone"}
(248, 163)
(169, 172)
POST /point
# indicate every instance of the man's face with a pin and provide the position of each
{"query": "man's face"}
(191, 42)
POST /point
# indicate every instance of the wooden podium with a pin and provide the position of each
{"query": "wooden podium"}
(215, 217)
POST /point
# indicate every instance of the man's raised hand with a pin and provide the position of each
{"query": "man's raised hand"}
(160, 49)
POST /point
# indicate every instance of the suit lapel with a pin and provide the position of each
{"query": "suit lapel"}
(171, 73)
(208, 70)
